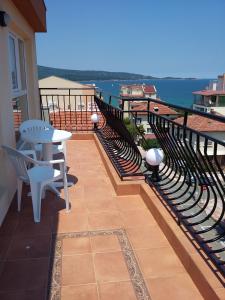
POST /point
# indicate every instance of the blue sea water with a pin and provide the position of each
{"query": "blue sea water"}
(175, 91)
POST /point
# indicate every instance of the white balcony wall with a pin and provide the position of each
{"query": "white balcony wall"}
(22, 29)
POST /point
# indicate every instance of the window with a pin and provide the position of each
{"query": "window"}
(149, 130)
(221, 100)
(138, 121)
(210, 143)
(17, 70)
(13, 63)
(17, 65)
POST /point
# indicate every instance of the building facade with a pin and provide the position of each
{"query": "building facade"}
(19, 21)
(212, 98)
(135, 91)
(142, 115)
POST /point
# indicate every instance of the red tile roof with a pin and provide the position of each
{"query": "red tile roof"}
(150, 136)
(202, 124)
(149, 89)
(162, 109)
(209, 92)
(146, 89)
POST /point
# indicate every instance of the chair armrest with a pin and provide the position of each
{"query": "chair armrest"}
(50, 162)
(31, 153)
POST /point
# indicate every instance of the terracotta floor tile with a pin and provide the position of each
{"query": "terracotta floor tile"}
(58, 206)
(110, 266)
(70, 222)
(9, 225)
(125, 203)
(79, 245)
(159, 262)
(92, 190)
(147, 237)
(98, 204)
(4, 246)
(48, 206)
(27, 227)
(24, 295)
(177, 287)
(19, 275)
(105, 243)
(29, 247)
(77, 206)
(77, 269)
(76, 192)
(140, 217)
(109, 220)
(79, 292)
(117, 290)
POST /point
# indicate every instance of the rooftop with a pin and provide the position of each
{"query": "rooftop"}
(202, 124)
(156, 108)
(209, 92)
(116, 243)
(145, 89)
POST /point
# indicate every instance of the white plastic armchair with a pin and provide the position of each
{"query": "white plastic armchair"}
(38, 176)
(34, 125)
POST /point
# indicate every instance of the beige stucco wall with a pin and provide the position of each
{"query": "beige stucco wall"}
(20, 27)
(66, 93)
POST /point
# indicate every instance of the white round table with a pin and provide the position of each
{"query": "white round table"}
(47, 137)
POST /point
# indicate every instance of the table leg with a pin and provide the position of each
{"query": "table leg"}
(47, 151)
(48, 155)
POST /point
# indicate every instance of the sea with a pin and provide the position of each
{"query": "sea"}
(174, 91)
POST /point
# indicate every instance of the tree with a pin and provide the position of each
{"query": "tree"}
(133, 129)
(148, 144)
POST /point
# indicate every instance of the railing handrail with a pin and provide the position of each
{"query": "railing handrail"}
(88, 88)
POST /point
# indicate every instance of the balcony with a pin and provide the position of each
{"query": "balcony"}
(126, 237)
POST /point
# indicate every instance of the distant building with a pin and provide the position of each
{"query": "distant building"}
(212, 98)
(142, 115)
(210, 127)
(129, 92)
(59, 93)
(138, 91)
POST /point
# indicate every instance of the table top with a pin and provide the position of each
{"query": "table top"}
(46, 136)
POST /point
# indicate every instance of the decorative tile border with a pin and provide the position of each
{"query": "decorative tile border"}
(54, 286)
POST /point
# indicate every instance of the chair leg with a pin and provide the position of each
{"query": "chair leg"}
(19, 193)
(36, 193)
(66, 192)
(64, 153)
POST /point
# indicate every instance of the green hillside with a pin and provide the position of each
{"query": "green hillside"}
(78, 75)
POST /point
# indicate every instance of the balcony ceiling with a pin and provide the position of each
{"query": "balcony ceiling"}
(34, 11)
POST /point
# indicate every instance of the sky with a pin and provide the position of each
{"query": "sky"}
(184, 38)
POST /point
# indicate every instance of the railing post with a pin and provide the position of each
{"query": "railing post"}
(185, 122)
(110, 100)
(185, 119)
(41, 106)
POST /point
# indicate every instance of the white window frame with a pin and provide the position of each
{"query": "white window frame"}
(18, 92)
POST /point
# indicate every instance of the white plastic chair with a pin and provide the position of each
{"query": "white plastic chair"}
(38, 176)
(33, 125)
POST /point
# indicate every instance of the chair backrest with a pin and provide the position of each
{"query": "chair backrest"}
(33, 125)
(19, 161)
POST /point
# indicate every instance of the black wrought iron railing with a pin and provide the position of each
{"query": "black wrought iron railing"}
(118, 142)
(69, 108)
(192, 173)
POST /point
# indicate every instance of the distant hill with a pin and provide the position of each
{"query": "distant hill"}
(78, 75)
